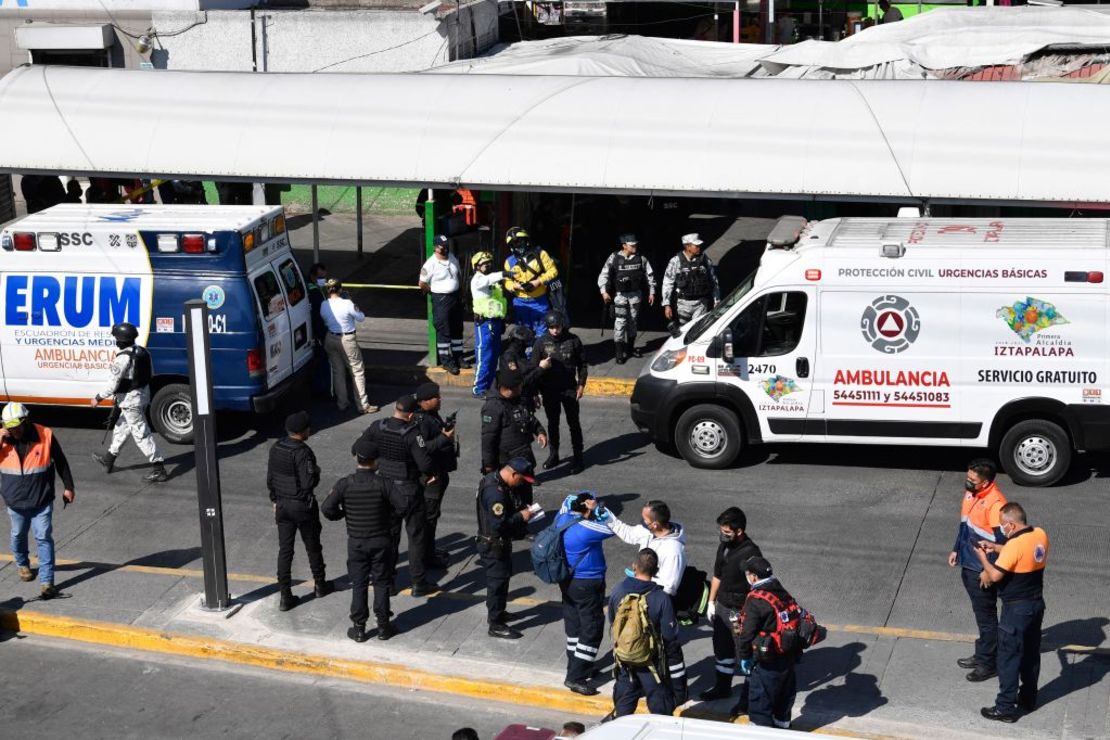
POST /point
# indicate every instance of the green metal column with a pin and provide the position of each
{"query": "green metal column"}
(429, 250)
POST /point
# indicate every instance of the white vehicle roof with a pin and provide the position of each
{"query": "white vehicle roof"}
(1008, 233)
(80, 217)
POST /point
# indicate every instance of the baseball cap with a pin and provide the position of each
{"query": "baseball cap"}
(407, 403)
(297, 422)
(692, 239)
(509, 378)
(365, 449)
(524, 467)
(441, 240)
(628, 239)
(427, 391)
(759, 567)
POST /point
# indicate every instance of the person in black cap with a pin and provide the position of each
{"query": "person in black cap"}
(509, 427)
(439, 435)
(502, 518)
(562, 385)
(291, 477)
(369, 503)
(403, 458)
(514, 356)
(771, 681)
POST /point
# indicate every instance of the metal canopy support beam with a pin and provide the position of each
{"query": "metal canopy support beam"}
(315, 226)
(429, 250)
(358, 218)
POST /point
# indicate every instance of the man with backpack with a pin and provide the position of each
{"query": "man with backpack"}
(584, 591)
(645, 643)
(768, 647)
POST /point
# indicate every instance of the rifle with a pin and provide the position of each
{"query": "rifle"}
(608, 314)
(113, 417)
(449, 425)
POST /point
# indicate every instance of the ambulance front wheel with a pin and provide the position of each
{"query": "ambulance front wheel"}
(1035, 452)
(171, 413)
(708, 436)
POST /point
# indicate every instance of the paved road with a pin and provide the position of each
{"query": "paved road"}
(55, 688)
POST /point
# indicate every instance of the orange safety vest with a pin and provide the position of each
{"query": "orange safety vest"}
(980, 511)
(28, 483)
(468, 207)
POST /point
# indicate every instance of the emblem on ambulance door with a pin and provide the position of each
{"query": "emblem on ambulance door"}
(890, 324)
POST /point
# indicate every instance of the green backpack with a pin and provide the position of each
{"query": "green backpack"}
(635, 643)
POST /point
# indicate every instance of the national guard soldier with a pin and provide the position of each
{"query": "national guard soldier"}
(502, 518)
(623, 280)
(690, 285)
(439, 436)
(129, 388)
(562, 385)
(369, 503)
(403, 458)
(509, 427)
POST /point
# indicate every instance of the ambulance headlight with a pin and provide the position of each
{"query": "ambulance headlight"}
(669, 360)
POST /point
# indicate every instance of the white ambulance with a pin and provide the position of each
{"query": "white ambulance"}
(70, 272)
(976, 333)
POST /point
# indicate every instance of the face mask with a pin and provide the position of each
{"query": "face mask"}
(725, 538)
(320, 281)
(971, 487)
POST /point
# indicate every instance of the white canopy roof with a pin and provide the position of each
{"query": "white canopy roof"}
(865, 139)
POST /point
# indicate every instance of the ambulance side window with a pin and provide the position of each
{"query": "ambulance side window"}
(291, 276)
(269, 294)
(771, 326)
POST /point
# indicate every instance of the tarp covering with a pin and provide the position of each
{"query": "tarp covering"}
(871, 139)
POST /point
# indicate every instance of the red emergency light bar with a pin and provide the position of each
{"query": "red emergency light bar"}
(192, 243)
(24, 242)
(1083, 276)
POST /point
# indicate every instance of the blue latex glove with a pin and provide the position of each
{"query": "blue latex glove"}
(602, 513)
(746, 666)
(629, 572)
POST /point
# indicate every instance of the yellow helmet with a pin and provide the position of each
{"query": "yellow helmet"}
(14, 414)
(479, 258)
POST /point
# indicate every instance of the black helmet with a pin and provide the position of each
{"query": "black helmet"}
(125, 334)
(517, 238)
(554, 318)
(522, 333)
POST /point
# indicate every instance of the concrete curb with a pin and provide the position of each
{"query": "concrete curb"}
(416, 374)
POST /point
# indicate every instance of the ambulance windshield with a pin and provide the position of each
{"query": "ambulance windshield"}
(699, 326)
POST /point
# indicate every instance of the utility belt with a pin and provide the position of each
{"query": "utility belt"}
(490, 541)
(300, 498)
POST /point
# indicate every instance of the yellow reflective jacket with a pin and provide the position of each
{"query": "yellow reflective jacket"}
(538, 268)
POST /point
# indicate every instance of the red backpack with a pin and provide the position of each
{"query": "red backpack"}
(795, 629)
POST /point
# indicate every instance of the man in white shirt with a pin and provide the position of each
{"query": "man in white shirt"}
(440, 278)
(658, 532)
(342, 316)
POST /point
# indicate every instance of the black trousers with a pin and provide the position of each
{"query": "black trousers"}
(293, 516)
(553, 403)
(773, 689)
(632, 683)
(447, 318)
(433, 501)
(984, 604)
(368, 561)
(584, 624)
(414, 521)
(1019, 653)
(497, 562)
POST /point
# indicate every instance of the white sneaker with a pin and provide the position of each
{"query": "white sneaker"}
(782, 724)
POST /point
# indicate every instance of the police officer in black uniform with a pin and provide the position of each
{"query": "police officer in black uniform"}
(403, 458)
(508, 428)
(369, 503)
(562, 384)
(292, 476)
(502, 518)
(514, 356)
(439, 437)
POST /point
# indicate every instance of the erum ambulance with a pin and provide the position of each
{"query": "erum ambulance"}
(973, 332)
(70, 272)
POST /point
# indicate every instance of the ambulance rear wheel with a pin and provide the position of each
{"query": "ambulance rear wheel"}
(1035, 453)
(708, 436)
(171, 413)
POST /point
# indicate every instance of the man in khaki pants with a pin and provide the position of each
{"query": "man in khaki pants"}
(342, 317)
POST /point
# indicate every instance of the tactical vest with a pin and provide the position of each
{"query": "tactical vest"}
(394, 459)
(493, 306)
(627, 274)
(139, 369)
(692, 281)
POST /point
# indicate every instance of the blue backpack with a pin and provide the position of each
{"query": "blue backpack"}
(549, 556)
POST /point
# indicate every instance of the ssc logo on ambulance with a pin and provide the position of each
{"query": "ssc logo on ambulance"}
(890, 324)
(213, 296)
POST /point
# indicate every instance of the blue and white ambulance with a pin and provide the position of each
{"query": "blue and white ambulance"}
(67, 274)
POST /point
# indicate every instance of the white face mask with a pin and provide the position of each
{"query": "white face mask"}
(320, 281)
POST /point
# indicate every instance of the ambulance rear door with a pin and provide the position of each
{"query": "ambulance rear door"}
(274, 320)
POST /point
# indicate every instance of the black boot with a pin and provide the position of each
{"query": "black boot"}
(577, 465)
(288, 600)
(323, 587)
(636, 351)
(552, 458)
(158, 474)
(387, 630)
(460, 360)
(622, 353)
(108, 460)
(358, 633)
(722, 688)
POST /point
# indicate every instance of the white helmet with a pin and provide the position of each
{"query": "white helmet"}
(14, 414)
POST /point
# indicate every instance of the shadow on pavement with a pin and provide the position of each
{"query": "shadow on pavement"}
(1078, 670)
(165, 559)
(856, 696)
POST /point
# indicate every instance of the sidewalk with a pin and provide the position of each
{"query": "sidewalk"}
(395, 336)
(861, 681)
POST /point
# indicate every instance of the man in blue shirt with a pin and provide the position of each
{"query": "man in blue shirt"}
(584, 592)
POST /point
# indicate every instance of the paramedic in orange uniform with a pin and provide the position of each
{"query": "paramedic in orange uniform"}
(1019, 573)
